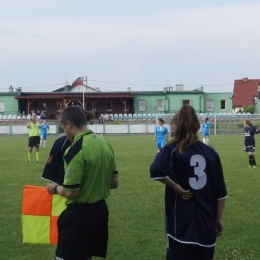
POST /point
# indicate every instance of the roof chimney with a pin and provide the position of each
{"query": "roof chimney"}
(97, 89)
(245, 79)
(19, 90)
(129, 89)
(11, 89)
(179, 87)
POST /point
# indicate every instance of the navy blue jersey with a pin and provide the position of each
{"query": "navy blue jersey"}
(199, 170)
(54, 168)
(249, 132)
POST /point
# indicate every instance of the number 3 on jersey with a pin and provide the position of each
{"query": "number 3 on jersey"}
(198, 162)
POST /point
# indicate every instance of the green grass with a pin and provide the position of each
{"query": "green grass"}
(136, 207)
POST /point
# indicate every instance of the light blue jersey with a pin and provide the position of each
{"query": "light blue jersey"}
(161, 132)
(205, 128)
(44, 130)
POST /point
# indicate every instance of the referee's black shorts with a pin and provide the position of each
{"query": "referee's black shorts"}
(34, 141)
(83, 231)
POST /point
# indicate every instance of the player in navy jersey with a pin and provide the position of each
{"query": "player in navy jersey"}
(205, 126)
(54, 168)
(44, 128)
(160, 134)
(195, 190)
(249, 132)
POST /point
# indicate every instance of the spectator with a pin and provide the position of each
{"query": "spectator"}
(101, 119)
(42, 115)
(106, 119)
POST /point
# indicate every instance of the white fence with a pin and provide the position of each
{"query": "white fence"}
(22, 129)
(99, 129)
(124, 129)
(217, 127)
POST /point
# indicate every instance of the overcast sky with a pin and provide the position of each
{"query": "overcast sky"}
(145, 45)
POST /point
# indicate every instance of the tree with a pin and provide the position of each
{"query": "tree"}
(249, 109)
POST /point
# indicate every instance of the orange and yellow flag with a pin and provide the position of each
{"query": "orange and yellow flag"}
(40, 212)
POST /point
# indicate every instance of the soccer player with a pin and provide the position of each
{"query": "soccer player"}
(44, 128)
(195, 190)
(160, 135)
(205, 131)
(34, 137)
(54, 168)
(90, 173)
(249, 132)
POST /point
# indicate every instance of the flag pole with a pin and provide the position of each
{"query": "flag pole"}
(87, 84)
(83, 94)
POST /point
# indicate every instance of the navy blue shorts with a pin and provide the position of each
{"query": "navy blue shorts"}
(249, 149)
(181, 251)
(83, 231)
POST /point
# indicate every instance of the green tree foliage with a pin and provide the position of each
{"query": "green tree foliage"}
(249, 109)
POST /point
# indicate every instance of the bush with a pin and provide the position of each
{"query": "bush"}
(249, 109)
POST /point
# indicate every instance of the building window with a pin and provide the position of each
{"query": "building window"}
(109, 106)
(160, 104)
(223, 104)
(141, 104)
(210, 104)
(2, 106)
(43, 106)
(186, 102)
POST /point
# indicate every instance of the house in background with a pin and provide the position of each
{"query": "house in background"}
(217, 102)
(52, 103)
(77, 94)
(125, 102)
(168, 100)
(8, 103)
(77, 86)
(246, 93)
(171, 100)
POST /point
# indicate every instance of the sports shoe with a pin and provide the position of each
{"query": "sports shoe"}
(29, 161)
(37, 161)
(249, 166)
(254, 166)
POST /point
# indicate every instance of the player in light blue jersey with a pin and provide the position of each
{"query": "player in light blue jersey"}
(205, 127)
(44, 128)
(160, 135)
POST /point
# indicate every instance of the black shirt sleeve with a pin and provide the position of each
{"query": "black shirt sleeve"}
(54, 168)
(160, 168)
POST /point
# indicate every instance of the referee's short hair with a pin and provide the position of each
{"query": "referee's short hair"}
(75, 115)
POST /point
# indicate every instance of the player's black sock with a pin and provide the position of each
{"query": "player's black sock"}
(252, 160)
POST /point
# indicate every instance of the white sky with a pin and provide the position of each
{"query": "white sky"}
(145, 45)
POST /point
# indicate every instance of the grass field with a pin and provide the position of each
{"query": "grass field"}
(136, 207)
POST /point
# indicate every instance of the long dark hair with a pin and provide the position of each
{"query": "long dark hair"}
(186, 126)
